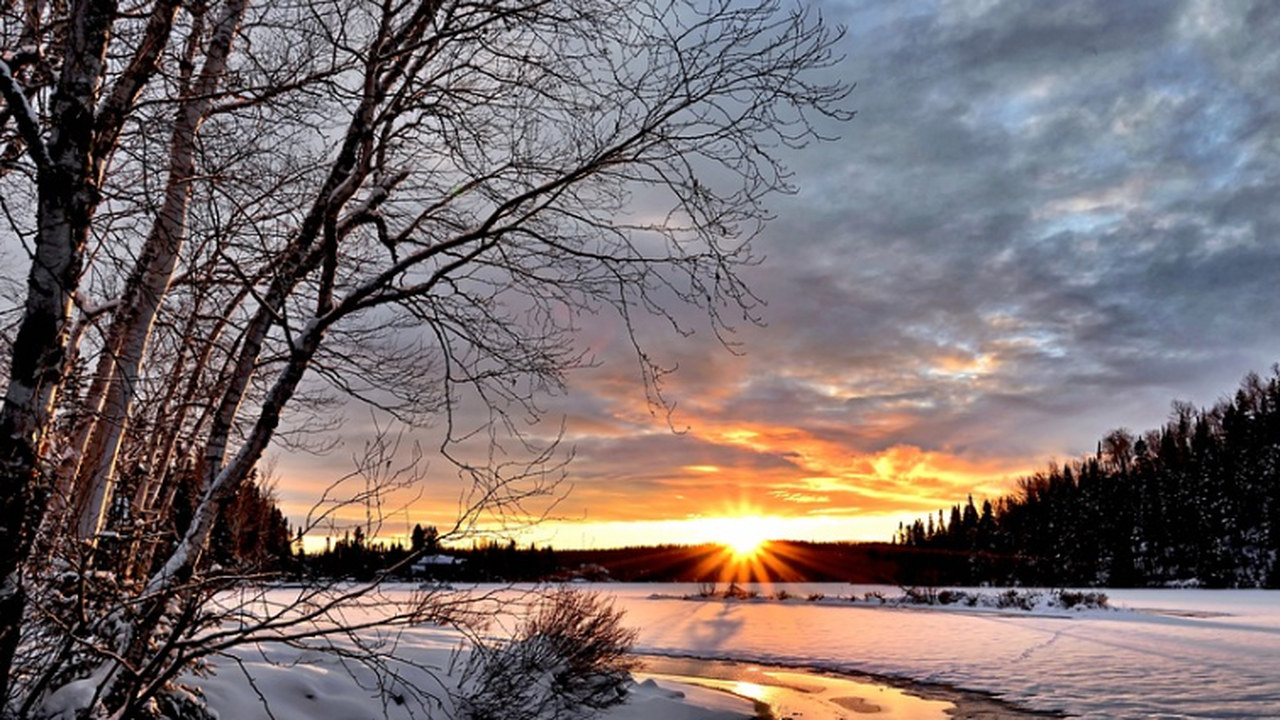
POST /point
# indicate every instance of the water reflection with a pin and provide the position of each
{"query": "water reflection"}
(797, 695)
(748, 690)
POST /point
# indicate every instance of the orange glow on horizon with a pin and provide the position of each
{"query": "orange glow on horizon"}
(729, 483)
(768, 562)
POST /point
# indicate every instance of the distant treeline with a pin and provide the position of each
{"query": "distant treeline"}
(779, 561)
(354, 556)
(351, 556)
(1196, 502)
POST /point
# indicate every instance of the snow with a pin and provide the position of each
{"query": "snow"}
(67, 701)
(314, 685)
(1160, 654)
(23, 114)
(1174, 654)
(649, 700)
(437, 560)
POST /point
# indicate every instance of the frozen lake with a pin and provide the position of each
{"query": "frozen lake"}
(1166, 654)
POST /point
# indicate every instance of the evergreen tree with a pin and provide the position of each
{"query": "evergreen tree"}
(1196, 500)
(425, 540)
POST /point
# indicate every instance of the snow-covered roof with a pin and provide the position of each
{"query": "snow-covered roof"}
(437, 560)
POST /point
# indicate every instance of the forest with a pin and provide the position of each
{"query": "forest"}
(1193, 503)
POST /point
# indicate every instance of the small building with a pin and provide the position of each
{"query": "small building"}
(436, 567)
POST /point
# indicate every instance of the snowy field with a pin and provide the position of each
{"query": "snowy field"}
(1162, 654)
(1183, 653)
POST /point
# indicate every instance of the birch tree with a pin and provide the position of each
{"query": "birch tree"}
(410, 203)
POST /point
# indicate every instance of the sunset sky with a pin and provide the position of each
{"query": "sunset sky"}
(1047, 220)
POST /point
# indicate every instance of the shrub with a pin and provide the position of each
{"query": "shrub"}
(570, 656)
(921, 596)
(1070, 599)
(180, 703)
(1019, 600)
(951, 597)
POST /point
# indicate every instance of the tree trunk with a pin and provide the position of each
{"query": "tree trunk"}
(67, 195)
(149, 282)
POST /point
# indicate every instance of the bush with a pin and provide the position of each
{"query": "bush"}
(570, 656)
(951, 597)
(1017, 600)
(921, 595)
(180, 703)
(1070, 599)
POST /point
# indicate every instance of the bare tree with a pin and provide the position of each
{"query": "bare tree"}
(410, 203)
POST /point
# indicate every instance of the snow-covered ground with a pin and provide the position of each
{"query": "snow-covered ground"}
(1163, 654)
(1167, 654)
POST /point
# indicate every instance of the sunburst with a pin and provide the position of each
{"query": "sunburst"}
(744, 539)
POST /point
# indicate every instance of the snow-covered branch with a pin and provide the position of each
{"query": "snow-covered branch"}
(24, 115)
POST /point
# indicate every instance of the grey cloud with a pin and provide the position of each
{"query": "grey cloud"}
(937, 211)
(1079, 195)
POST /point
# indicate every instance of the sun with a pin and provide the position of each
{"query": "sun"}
(744, 538)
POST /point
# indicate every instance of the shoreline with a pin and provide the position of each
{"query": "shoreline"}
(722, 675)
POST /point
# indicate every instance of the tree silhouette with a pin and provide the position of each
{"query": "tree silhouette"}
(1196, 501)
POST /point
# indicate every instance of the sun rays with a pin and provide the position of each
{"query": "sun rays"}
(744, 540)
(746, 551)
(742, 549)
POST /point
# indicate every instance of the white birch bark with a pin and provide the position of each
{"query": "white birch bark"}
(150, 281)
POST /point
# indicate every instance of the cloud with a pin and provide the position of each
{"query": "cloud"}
(1046, 221)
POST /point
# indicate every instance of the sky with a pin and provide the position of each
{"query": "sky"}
(1047, 221)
